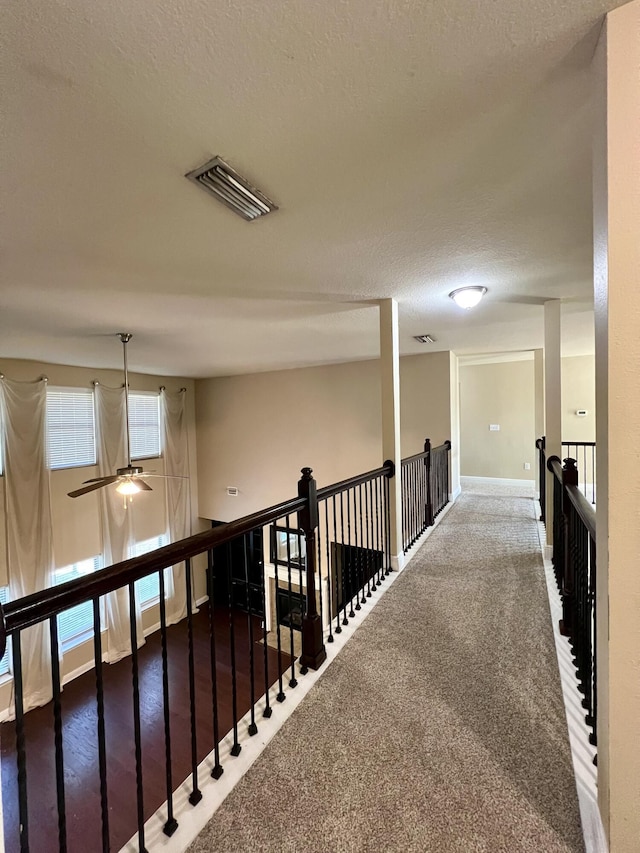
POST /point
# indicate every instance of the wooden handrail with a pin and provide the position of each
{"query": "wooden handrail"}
(554, 464)
(49, 602)
(41, 605)
(584, 509)
(388, 469)
(444, 446)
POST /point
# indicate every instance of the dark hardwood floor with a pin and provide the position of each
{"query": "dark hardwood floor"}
(82, 784)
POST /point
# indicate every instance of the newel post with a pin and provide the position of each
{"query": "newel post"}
(427, 461)
(313, 650)
(569, 478)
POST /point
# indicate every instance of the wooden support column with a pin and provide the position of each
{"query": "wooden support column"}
(616, 198)
(390, 387)
(552, 397)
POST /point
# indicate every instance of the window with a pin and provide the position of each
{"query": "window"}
(148, 589)
(76, 624)
(71, 436)
(144, 424)
(4, 663)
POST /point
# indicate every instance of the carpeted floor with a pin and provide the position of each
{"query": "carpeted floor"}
(440, 727)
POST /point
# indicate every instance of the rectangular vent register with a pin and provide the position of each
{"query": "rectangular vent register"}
(222, 182)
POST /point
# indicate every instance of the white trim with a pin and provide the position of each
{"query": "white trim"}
(581, 750)
(499, 481)
(193, 820)
(398, 562)
(455, 494)
(495, 357)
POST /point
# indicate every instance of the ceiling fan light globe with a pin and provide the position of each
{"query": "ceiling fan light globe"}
(468, 297)
(127, 487)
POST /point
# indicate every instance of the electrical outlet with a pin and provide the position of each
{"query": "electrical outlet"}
(494, 427)
(527, 466)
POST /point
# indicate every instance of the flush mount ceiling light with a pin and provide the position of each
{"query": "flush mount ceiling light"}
(219, 179)
(468, 297)
(425, 339)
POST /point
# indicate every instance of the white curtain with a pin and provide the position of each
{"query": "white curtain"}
(116, 518)
(28, 519)
(176, 462)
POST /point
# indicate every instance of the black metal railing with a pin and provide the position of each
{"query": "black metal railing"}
(584, 452)
(574, 562)
(425, 490)
(262, 626)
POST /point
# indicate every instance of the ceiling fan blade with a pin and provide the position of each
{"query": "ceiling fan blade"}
(111, 479)
(145, 487)
(164, 476)
(92, 487)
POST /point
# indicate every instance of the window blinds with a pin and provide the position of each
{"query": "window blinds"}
(70, 427)
(144, 425)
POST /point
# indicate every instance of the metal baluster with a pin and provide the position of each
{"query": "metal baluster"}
(329, 584)
(196, 794)
(363, 599)
(137, 731)
(236, 749)
(102, 748)
(281, 694)
(338, 583)
(343, 561)
(217, 770)
(378, 490)
(57, 728)
(292, 681)
(21, 753)
(253, 728)
(172, 824)
(263, 592)
(367, 495)
(350, 560)
(319, 569)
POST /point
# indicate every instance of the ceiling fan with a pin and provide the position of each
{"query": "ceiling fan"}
(129, 478)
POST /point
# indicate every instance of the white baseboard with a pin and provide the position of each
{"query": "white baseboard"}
(505, 481)
(455, 494)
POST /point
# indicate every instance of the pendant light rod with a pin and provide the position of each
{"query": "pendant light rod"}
(125, 337)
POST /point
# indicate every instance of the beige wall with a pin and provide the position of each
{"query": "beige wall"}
(578, 392)
(255, 432)
(502, 394)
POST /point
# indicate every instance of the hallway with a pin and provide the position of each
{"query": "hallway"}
(440, 726)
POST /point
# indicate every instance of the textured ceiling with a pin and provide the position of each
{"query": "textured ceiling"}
(412, 147)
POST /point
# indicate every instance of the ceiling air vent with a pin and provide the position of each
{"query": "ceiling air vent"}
(219, 179)
(425, 339)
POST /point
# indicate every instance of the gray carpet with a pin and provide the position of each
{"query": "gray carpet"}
(440, 727)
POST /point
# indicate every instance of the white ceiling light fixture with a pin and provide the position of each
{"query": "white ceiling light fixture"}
(468, 297)
(234, 191)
